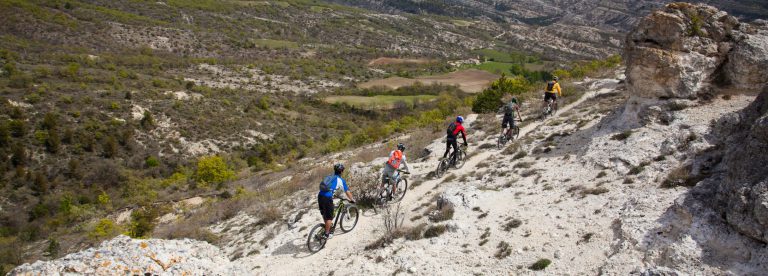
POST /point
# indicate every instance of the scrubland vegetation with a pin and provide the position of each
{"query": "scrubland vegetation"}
(103, 111)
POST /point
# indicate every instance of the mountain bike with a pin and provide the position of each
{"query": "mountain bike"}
(346, 216)
(549, 109)
(511, 134)
(385, 193)
(445, 163)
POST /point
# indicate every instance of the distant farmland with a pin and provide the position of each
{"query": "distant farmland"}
(470, 81)
(379, 101)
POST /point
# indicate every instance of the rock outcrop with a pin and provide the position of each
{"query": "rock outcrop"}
(682, 50)
(743, 196)
(125, 256)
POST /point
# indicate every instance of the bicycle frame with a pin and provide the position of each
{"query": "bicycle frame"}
(337, 211)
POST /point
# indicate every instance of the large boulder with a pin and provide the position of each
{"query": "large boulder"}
(682, 49)
(747, 62)
(743, 196)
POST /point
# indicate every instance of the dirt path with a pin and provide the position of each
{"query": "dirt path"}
(290, 246)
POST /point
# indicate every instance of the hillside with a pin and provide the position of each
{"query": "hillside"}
(200, 129)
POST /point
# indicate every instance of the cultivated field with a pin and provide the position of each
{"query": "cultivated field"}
(380, 101)
(470, 81)
(390, 61)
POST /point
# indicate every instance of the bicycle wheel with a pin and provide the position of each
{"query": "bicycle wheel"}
(402, 188)
(516, 134)
(500, 142)
(461, 157)
(315, 240)
(441, 168)
(349, 218)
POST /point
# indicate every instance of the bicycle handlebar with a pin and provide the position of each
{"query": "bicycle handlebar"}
(344, 199)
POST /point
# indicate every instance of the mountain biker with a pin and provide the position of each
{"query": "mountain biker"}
(328, 186)
(452, 137)
(509, 111)
(552, 91)
(396, 159)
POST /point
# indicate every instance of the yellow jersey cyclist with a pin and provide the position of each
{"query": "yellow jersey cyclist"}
(552, 92)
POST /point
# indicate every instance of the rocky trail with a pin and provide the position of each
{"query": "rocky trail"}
(345, 249)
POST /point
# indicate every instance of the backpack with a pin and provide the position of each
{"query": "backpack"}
(394, 161)
(327, 183)
(451, 129)
(509, 108)
(550, 86)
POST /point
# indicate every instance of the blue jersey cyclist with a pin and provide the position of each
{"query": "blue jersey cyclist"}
(328, 187)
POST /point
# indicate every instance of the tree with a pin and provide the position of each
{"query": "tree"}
(19, 157)
(5, 135)
(213, 169)
(148, 121)
(110, 147)
(490, 99)
(52, 141)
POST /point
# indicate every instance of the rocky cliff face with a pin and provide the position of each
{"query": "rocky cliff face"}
(682, 50)
(743, 195)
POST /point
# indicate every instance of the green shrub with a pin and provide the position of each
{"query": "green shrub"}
(541, 264)
(5, 135)
(152, 162)
(110, 147)
(20, 81)
(105, 228)
(18, 128)
(142, 222)
(148, 121)
(490, 99)
(213, 169)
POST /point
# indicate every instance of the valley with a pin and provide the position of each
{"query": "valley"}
(188, 137)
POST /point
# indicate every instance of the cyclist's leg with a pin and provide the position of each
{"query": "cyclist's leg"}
(455, 145)
(447, 148)
(326, 210)
(504, 123)
(393, 178)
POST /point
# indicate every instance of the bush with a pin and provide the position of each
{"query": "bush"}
(512, 224)
(541, 264)
(489, 100)
(213, 169)
(504, 250)
(18, 128)
(622, 136)
(142, 222)
(444, 211)
(105, 228)
(20, 81)
(148, 121)
(5, 135)
(435, 231)
(151, 162)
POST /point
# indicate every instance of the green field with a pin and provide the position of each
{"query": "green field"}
(503, 67)
(379, 101)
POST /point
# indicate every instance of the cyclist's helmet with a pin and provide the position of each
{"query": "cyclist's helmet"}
(338, 168)
(460, 119)
(401, 147)
(555, 78)
(514, 100)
